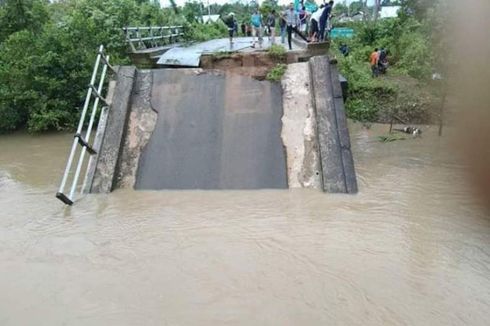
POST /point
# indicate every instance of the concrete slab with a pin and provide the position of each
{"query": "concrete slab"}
(299, 128)
(337, 164)
(190, 56)
(140, 126)
(214, 131)
(105, 171)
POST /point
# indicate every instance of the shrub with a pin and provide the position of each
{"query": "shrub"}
(276, 73)
(203, 32)
(277, 52)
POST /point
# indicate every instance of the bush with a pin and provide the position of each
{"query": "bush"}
(276, 73)
(404, 90)
(277, 52)
(203, 32)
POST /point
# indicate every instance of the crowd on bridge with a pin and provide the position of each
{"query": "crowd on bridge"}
(311, 24)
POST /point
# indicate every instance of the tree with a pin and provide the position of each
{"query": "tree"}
(356, 7)
(340, 9)
(417, 8)
(191, 10)
(17, 15)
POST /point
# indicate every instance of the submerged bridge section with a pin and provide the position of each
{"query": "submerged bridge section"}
(208, 129)
(192, 128)
(213, 131)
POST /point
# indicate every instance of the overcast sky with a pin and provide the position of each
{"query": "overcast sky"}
(166, 3)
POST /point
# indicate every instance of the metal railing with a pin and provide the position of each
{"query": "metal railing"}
(141, 38)
(81, 144)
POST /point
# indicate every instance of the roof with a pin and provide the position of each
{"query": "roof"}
(210, 18)
(389, 12)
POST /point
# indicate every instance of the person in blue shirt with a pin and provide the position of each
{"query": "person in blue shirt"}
(323, 19)
(256, 21)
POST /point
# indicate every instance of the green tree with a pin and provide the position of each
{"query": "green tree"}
(18, 15)
(356, 7)
(340, 9)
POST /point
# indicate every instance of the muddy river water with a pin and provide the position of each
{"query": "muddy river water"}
(412, 248)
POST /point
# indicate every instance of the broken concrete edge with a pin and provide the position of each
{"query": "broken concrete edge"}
(299, 128)
(112, 131)
(336, 159)
(312, 48)
(140, 126)
(343, 132)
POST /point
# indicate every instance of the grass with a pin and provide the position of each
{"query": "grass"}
(219, 55)
(277, 52)
(276, 73)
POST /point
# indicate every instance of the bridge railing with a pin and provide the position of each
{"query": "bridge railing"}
(81, 143)
(141, 38)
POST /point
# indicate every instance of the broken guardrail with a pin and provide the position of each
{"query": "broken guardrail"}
(141, 38)
(81, 143)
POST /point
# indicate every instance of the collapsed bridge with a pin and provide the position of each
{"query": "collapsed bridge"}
(211, 127)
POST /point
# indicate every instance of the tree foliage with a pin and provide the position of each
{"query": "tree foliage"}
(47, 51)
(416, 42)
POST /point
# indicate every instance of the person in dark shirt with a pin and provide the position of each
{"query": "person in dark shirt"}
(231, 23)
(344, 49)
(271, 23)
(244, 29)
(324, 18)
(282, 26)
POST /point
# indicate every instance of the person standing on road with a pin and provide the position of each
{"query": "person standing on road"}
(271, 23)
(323, 19)
(232, 25)
(243, 28)
(256, 21)
(302, 19)
(292, 22)
(282, 26)
(314, 22)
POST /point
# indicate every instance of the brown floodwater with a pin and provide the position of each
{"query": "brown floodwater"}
(412, 248)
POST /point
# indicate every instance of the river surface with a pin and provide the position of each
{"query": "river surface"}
(412, 248)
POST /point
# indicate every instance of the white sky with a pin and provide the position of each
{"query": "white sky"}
(166, 3)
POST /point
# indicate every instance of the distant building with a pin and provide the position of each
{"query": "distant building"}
(389, 12)
(209, 18)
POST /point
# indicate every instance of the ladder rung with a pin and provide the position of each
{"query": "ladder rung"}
(61, 196)
(103, 57)
(96, 94)
(84, 143)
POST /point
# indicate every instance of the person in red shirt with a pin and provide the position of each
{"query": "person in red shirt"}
(374, 62)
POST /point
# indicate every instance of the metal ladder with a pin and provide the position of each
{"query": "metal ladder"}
(81, 144)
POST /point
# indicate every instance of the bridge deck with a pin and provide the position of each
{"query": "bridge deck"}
(190, 56)
(213, 131)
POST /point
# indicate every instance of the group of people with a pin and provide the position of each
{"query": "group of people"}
(379, 61)
(290, 21)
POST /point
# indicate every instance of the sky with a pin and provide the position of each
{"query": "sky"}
(166, 3)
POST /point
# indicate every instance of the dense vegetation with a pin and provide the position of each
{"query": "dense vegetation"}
(415, 43)
(47, 50)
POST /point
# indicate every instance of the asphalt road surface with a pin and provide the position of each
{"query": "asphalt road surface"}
(214, 131)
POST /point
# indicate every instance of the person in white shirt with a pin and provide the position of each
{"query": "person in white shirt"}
(314, 23)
